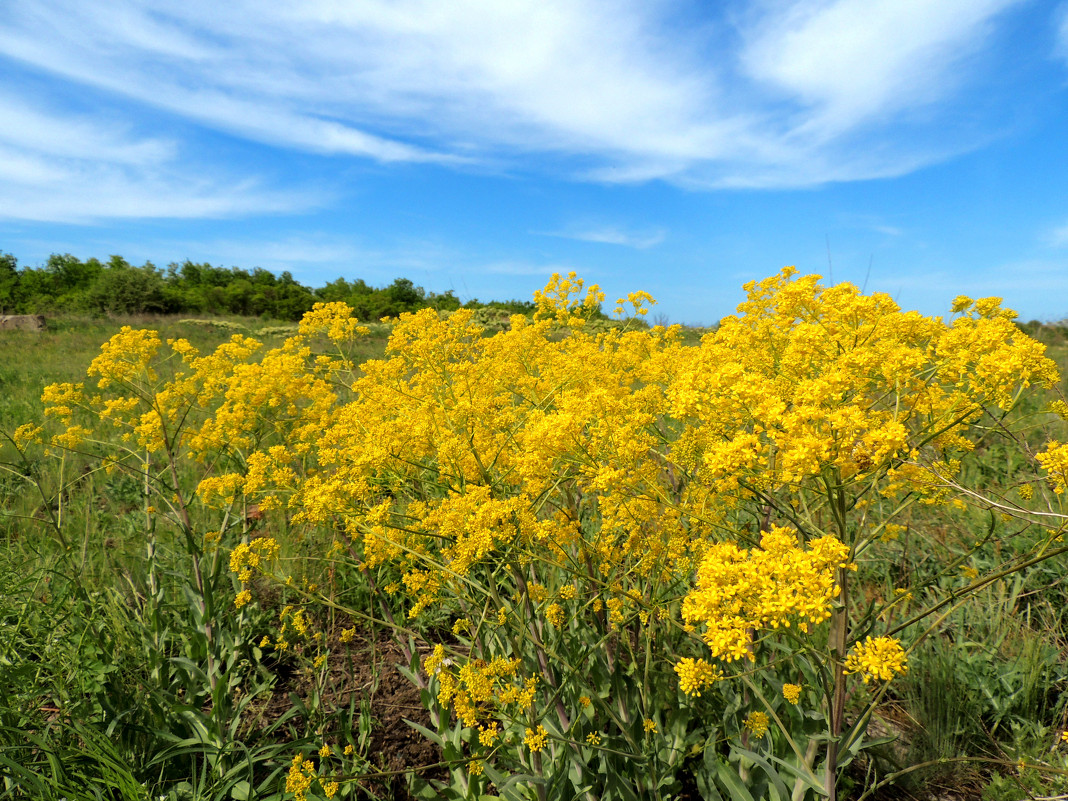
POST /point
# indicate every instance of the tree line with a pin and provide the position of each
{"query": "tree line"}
(65, 284)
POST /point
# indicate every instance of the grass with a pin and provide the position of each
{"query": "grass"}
(123, 676)
(118, 679)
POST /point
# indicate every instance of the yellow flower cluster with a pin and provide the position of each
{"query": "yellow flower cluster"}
(696, 674)
(792, 693)
(807, 377)
(536, 739)
(61, 400)
(334, 320)
(300, 778)
(555, 300)
(879, 658)
(479, 690)
(1054, 461)
(757, 723)
(247, 556)
(126, 358)
(302, 775)
(779, 584)
(28, 433)
(575, 474)
(494, 428)
(250, 556)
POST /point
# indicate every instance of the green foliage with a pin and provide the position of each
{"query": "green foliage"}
(125, 672)
(67, 285)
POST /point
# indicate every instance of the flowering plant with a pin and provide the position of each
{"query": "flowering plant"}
(644, 549)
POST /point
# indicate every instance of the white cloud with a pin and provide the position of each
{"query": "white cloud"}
(268, 253)
(322, 256)
(62, 167)
(1058, 237)
(522, 268)
(612, 235)
(793, 93)
(1060, 21)
(848, 62)
(68, 136)
(84, 195)
(1036, 287)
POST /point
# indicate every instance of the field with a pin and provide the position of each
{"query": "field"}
(545, 544)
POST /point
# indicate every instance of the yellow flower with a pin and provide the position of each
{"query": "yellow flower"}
(27, 433)
(780, 584)
(695, 675)
(554, 613)
(1055, 462)
(609, 463)
(536, 738)
(649, 725)
(961, 303)
(488, 735)
(757, 723)
(300, 778)
(877, 658)
(593, 738)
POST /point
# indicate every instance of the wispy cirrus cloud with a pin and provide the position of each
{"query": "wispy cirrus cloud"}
(1058, 237)
(523, 268)
(850, 63)
(1060, 22)
(782, 93)
(57, 166)
(612, 235)
(1045, 280)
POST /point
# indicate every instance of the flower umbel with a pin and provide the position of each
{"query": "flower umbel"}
(536, 738)
(757, 723)
(695, 675)
(879, 658)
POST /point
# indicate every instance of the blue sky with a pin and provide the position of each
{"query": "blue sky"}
(918, 147)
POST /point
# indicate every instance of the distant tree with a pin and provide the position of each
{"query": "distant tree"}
(9, 283)
(261, 277)
(337, 291)
(402, 296)
(64, 283)
(239, 293)
(123, 289)
(447, 301)
(61, 283)
(292, 299)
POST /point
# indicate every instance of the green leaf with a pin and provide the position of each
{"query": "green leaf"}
(730, 780)
(773, 775)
